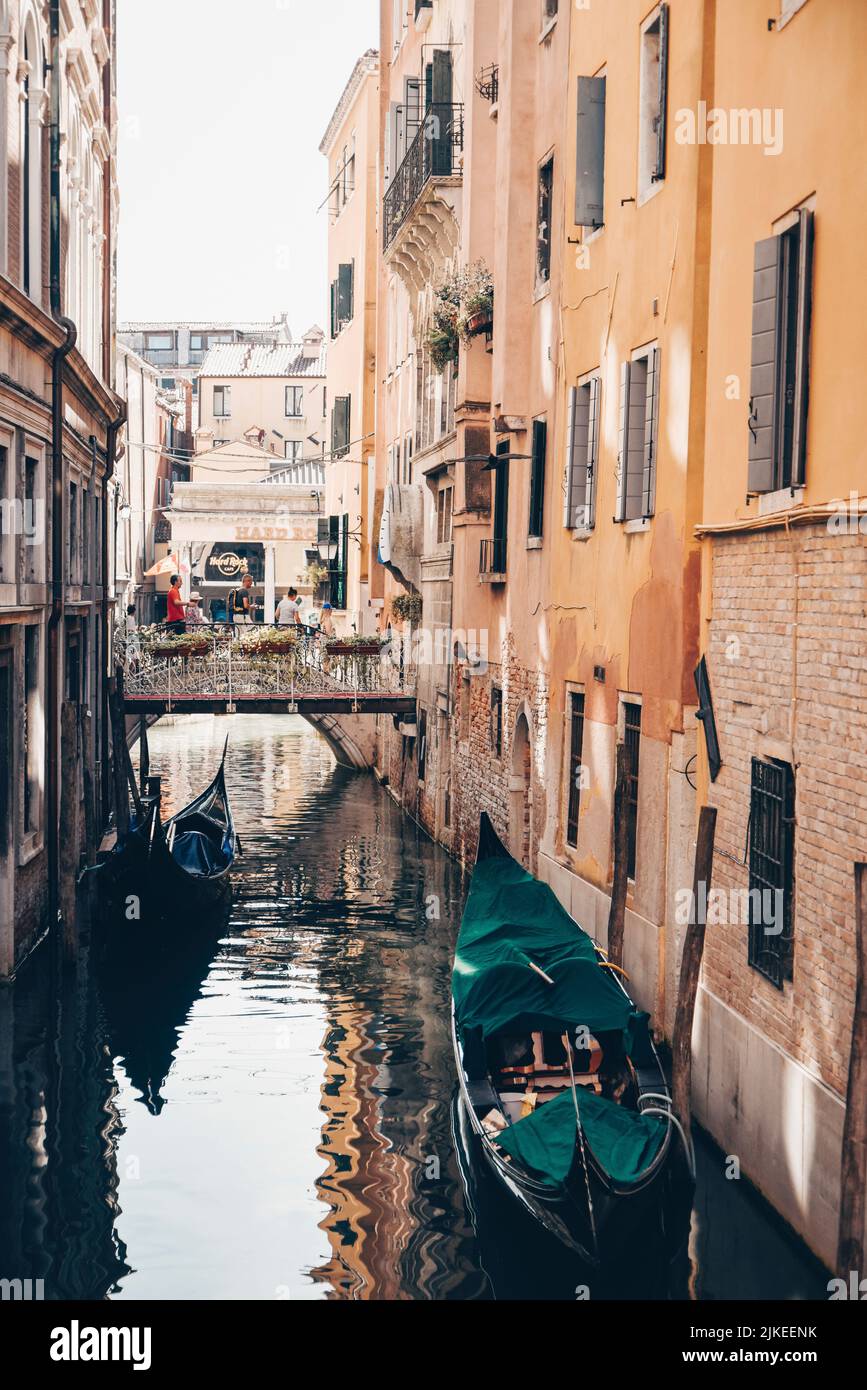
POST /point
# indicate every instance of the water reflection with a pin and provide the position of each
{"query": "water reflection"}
(267, 1113)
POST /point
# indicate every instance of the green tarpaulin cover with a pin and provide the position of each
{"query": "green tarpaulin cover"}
(510, 920)
(623, 1142)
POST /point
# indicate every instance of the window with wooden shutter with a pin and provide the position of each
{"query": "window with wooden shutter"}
(340, 417)
(537, 478)
(779, 367)
(582, 447)
(576, 752)
(639, 428)
(345, 294)
(652, 100)
(590, 153)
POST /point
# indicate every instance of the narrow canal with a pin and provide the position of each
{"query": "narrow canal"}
(271, 1114)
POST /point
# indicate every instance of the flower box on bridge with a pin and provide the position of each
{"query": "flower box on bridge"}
(339, 648)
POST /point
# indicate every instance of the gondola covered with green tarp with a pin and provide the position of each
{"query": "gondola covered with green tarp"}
(558, 1068)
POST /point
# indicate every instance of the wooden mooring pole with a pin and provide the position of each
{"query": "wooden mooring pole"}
(853, 1167)
(690, 968)
(144, 760)
(617, 911)
(118, 758)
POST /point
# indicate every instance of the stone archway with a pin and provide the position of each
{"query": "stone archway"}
(521, 793)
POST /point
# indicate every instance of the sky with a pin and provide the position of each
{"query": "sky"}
(222, 109)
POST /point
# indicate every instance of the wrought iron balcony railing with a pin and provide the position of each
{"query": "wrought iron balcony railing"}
(492, 559)
(432, 154)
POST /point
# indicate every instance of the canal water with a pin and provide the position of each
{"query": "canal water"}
(269, 1113)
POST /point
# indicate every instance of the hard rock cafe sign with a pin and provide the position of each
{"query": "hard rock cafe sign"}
(228, 565)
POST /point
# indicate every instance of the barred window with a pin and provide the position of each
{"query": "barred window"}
(772, 822)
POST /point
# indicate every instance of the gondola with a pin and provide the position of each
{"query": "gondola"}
(182, 865)
(558, 1072)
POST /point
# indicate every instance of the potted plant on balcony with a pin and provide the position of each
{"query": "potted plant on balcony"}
(355, 645)
(269, 641)
(477, 302)
(407, 608)
(442, 337)
(168, 644)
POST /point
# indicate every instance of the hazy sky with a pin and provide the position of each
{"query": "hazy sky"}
(222, 108)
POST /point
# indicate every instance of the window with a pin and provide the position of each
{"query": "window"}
(222, 402)
(576, 749)
(7, 745)
(8, 518)
(444, 515)
(543, 222)
(782, 293)
(652, 101)
(160, 348)
(772, 822)
(501, 508)
(33, 729)
(295, 401)
(632, 739)
(292, 450)
(72, 572)
(639, 424)
(340, 425)
(31, 162)
(537, 477)
(590, 170)
(497, 720)
(343, 298)
(407, 460)
(582, 451)
(422, 744)
(34, 520)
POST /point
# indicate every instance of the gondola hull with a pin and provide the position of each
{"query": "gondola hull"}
(593, 1214)
(160, 874)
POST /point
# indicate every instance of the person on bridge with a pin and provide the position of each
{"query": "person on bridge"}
(175, 611)
(287, 609)
(239, 607)
(195, 616)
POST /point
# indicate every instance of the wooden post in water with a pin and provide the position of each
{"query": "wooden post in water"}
(144, 762)
(69, 827)
(617, 911)
(690, 968)
(118, 759)
(853, 1168)
(85, 723)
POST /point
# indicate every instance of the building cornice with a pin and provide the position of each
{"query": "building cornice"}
(367, 63)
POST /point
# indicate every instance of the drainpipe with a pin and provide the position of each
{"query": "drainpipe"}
(58, 489)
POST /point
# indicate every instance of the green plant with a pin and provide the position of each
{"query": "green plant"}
(316, 573)
(443, 334)
(407, 607)
(476, 297)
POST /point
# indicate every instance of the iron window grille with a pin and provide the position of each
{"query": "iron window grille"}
(576, 750)
(632, 739)
(771, 861)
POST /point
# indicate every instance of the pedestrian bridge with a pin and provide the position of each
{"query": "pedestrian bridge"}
(229, 672)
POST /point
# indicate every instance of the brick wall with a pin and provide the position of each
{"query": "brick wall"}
(788, 662)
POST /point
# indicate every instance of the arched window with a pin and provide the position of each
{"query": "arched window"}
(33, 96)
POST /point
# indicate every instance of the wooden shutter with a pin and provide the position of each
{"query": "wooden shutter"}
(442, 86)
(592, 452)
(579, 419)
(651, 430)
(334, 308)
(590, 156)
(802, 348)
(344, 295)
(662, 122)
(623, 442)
(537, 477)
(391, 143)
(763, 365)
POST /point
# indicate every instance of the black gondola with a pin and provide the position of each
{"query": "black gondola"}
(558, 1072)
(177, 866)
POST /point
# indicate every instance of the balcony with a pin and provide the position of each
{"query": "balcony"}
(434, 156)
(492, 561)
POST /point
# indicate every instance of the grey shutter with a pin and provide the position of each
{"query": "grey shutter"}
(802, 349)
(592, 451)
(651, 431)
(334, 308)
(442, 89)
(662, 121)
(391, 143)
(623, 442)
(578, 461)
(590, 154)
(568, 488)
(763, 365)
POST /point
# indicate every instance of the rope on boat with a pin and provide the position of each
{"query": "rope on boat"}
(580, 1129)
(666, 1111)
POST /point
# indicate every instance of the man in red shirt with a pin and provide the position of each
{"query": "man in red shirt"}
(175, 612)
